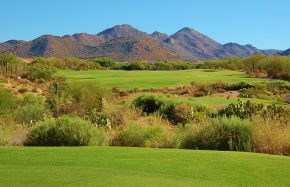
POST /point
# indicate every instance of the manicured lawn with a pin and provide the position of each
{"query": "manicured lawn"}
(119, 166)
(155, 79)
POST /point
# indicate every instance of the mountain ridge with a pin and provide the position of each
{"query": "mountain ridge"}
(126, 43)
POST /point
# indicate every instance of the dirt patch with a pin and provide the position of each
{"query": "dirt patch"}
(21, 86)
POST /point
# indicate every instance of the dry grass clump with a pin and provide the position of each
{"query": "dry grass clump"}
(12, 135)
(271, 136)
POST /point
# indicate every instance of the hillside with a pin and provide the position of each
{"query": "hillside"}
(286, 52)
(125, 43)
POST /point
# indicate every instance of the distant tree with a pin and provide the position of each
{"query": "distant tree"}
(10, 63)
(252, 62)
(38, 70)
(105, 62)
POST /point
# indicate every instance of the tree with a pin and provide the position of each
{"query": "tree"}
(105, 62)
(40, 70)
(252, 62)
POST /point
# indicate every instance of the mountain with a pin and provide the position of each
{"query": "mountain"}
(286, 52)
(158, 36)
(196, 44)
(126, 43)
(130, 49)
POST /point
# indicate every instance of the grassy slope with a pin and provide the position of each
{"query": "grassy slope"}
(156, 79)
(118, 166)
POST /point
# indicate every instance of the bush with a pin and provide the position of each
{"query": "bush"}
(175, 111)
(139, 136)
(12, 134)
(241, 110)
(40, 70)
(271, 136)
(240, 85)
(105, 62)
(231, 134)
(32, 109)
(65, 131)
(149, 103)
(89, 95)
(7, 101)
(250, 93)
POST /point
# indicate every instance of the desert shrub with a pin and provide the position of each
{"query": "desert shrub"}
(31, 109)
(71, 108)
(7, 101)
(40, 70)
(247, 110)
(78, 98)
(240, 85)
(99, 118)
(231, 134)
(11, 135)
(88, 94)
(122, 114)
(162, 66)
(278, 85)
(271, 136)
(276, 112)
(132, 136)
(149, 103)
(65, 131)
(198, 136)
(182, 113)
(250, 93)
(241, 109)
(175, 111)
(139, 136)
(105, 62)
(138, 66)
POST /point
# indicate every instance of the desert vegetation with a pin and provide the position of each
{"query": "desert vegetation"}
(207, 112)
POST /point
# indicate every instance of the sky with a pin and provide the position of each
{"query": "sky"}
(263, 23)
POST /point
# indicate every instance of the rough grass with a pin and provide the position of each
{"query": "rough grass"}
(156, 79)
(119, 166)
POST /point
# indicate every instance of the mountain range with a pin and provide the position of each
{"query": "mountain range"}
(126, 43)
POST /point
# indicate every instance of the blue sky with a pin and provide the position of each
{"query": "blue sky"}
(262, 23)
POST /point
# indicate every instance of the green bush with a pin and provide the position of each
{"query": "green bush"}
(40, 70)
(149, 103)
(240, 85)
(232, 134)
(137, 136)
(31, 109)
(7, 101)
(132, 136)
(105, 62)
(241, 110)
(88, 94)
(251, 93)
(175, 111)
(247, 110)
(65, 131)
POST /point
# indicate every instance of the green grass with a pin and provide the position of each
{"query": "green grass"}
(119, 166)
(156, 79)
